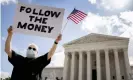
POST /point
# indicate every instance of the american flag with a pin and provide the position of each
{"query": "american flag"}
(77, 16)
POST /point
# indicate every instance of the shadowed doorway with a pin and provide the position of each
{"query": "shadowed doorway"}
(94, 74)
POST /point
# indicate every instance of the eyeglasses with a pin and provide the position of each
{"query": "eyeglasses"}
(34, 49)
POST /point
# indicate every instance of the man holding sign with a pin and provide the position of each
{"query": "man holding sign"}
(38, 20)
(34, 20)
(29, 67)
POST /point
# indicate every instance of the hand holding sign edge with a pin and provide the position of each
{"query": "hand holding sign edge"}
(59, 38)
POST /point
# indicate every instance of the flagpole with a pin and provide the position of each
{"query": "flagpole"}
(64, 26)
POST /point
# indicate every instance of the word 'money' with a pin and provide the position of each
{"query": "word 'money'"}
(35, 27)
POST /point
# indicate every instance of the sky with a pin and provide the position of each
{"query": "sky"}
(112, 17)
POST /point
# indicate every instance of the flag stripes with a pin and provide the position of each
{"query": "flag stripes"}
(77, 16)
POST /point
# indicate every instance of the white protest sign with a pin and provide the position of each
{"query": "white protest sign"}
(38, 20)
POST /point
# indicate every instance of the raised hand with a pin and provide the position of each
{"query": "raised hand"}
(10, 30)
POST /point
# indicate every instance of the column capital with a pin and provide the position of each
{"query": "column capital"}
(81, 53)
(125, 49)
(97, 51)
(115, 49)
(88, 51)
(107, 50)
(73, 52)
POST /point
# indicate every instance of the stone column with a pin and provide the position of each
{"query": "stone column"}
(66, 66)
(107, 63)
(126, 58)
(73, 66)
(89, 69)
(80, 66)
(98, 65)
(117, 64)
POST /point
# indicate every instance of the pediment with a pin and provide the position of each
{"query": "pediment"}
(93, 37)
